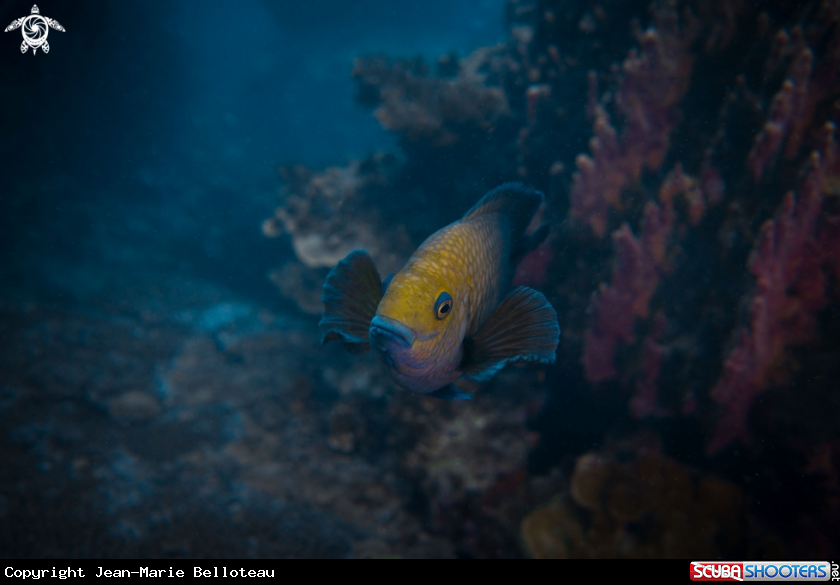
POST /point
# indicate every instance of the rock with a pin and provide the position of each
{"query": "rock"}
(134, 406)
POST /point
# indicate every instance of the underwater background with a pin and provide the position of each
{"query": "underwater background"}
(176, 180)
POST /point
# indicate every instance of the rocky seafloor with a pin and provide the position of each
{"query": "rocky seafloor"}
(190, 423)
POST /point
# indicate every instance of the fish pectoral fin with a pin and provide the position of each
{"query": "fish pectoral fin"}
(449, 393)
(351, 294)
(523, 328)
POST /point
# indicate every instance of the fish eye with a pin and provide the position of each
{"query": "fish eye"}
(443, 305)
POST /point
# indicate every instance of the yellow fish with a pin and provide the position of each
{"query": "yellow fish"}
(449, 315)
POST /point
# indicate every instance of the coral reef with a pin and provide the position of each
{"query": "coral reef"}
(638, 267)
(654, 81)
(321, 214)
(789, 295)
(787, 115)
(173, 429)
(688, 155)
(788, 256)
(433, 109)
(329, 214)
(471, 470)
(647, 507)
(711, 163)
(301, 284)
(190, 411)
(712, 166)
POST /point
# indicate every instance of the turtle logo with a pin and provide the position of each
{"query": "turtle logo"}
(35, 29)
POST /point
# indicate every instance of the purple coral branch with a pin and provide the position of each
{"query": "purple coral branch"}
(635, 277)
(789, 114)
(654, 83)
(644, 402)
(790, 292)
(793, 106)
(599, 179)
(639, 265)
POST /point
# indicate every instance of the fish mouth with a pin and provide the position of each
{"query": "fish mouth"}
(385, 329)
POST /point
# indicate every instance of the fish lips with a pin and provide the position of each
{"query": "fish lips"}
(386, 333)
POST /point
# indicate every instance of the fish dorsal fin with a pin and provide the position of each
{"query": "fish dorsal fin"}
(523, 328)
(519, 204)
(351, 295)
(514, 200)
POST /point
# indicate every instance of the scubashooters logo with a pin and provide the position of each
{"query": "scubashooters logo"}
(35, 29)
(761, 571)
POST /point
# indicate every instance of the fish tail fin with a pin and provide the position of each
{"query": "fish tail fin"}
(523, 328)
(351, 294)
(519, 204)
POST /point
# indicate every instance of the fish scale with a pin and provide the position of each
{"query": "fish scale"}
(479, 251)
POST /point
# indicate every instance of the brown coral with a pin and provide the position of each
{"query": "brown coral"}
(330, 213)
(648, 507)
(422, 107)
